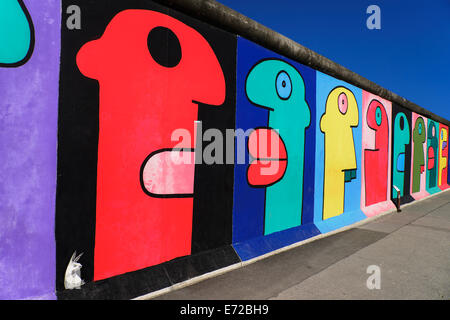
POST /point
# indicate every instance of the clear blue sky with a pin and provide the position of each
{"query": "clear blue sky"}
(410, 55)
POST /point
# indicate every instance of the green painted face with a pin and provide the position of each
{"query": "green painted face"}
(419, 137)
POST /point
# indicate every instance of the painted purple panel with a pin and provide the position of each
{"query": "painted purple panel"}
(28, 143)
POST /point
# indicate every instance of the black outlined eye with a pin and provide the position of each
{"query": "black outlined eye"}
(164, 47)
(343, 103)
(378, 116)
(402, 123)
(283, 85)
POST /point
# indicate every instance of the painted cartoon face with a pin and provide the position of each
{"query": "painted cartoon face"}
(443, 156)
(152, 70)
(160, 49)
(376, 160)
(431, 145)
(277, 86)
(341, 115)
(16, 33)
(401, 139)
(377, 120)
(432, 154)
(419, 137)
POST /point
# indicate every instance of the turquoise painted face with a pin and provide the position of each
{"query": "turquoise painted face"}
(277, 86)
(402, 137)
(419, 138)
(432, 155)
(16, 33)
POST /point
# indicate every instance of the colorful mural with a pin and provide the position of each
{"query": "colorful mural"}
(376, 152)
(107, 146)
(141, 193)
(448, 166)
(432, 156)
(418, 138)
(121, 151)
(401, 153)
(273, 186)
(283, 205)
(443, 157)
(338, 146)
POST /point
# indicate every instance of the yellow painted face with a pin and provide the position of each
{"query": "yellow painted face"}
(443, 139)
(341, 114)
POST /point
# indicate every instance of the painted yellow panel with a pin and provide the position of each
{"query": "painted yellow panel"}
(341, 115)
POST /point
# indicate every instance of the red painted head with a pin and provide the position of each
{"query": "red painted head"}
(378, 121)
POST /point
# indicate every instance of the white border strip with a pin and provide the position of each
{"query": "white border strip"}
(274, 252)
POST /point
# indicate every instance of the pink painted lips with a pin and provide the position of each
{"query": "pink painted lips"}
(270, 157)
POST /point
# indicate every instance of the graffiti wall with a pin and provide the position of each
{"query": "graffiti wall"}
(274, 184)
(376, 152)
(418, 139)
(173, 71)
(443, 157)
(338, 154)
(401, 154)
(142, 147)
(432, 154)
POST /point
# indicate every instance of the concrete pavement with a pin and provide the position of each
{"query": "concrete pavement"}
(410, 248)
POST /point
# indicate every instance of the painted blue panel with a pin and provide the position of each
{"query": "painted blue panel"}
(263, 244)
(249, 202)
(352, 212)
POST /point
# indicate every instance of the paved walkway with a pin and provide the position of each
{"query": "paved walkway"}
(411, 249)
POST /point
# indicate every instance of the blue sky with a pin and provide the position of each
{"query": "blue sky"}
(410, 55)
